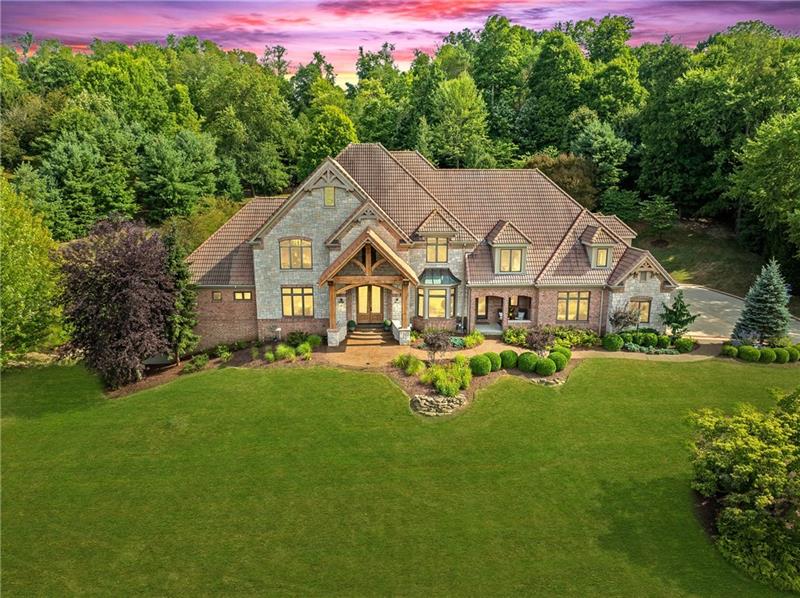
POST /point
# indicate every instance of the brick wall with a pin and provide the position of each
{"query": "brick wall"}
(225, 321)
(418, 323)
(266, 327)
(598, 307)
(496, 298)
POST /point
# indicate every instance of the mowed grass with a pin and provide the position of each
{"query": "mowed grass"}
(314, 481)
(708, 255)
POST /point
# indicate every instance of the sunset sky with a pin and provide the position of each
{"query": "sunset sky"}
(339, 27)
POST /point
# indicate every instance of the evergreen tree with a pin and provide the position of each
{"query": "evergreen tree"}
(597, 141)
(678, 317)
(660, 214)
(180, 326)
(765, 314)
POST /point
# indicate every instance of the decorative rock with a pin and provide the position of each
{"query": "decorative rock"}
(548, 381)
(434, 405)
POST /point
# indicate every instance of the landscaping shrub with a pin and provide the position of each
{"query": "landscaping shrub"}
(239, 345)
(508, 359)
(473, 339)
(539, 339)
(315, 340)
(684, 345)
(634, 348)
(285, 352)
(436, 343)
(195, 364)
(254, 353)
(559, 359)
(649, 339)
(303, 351)
(613, 342)
(351, 325)
(663, 341)
(749, 353)
(794, 354)
(781, 355)
(571, 336)
(494, 359)
(480, 365)
(729, 351)
(446, 380)
(269, 356)
(414, 366)
(767, 355)
(546, 367)
(296, 337)
(627, 337)
(515, 335)
(527, 361)
(457, 342)
(563, 350)
(223, 353)
(461, 368)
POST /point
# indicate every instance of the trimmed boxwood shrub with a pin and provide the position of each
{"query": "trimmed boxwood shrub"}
(729, 351)
(781, 355)
(564, 351)
(794, 354)
(767, 355)
(508, 359)
(315, 340)
(559, 359)
(494, 359)
(627, 337)
(663, 342)
(480, 365)
(649, 339)
(527, 361)
(749, 353)
(684, 345)
(613, 342)
(546, 367)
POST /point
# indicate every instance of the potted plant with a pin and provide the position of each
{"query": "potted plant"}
(351, 325)
(387, 325)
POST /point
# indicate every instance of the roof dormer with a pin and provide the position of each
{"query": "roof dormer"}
(598, 245)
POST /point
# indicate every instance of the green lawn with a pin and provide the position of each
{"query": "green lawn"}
(317, 481)
(709, 255)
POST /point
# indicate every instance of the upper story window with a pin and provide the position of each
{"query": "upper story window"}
(436, 250)
(295, 254)
(601, 257)
(330, 197)
(510, 260)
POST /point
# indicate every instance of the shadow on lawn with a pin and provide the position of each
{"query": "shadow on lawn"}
(33, 392)
(656, 526)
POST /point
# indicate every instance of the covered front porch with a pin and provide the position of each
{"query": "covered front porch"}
(368, 284)
(494, 310)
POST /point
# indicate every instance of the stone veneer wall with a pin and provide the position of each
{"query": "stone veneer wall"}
(634, 288)
(225, 321)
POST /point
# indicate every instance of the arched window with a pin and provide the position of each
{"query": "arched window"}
(295, 254)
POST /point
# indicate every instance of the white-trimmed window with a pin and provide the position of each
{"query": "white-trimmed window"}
(297, 302)
(295, 254)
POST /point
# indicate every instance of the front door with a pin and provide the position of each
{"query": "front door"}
(370, 304)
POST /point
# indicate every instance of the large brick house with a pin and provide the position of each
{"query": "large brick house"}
(375, 235)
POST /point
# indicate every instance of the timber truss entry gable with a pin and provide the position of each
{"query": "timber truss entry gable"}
(368, 210)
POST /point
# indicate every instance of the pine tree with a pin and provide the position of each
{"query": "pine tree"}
(180, 327)
(678, 317)
(765, 314)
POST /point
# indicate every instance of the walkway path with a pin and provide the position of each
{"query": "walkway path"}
(719, 312)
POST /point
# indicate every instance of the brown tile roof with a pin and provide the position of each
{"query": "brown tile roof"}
(632, 259)
(505, 233)
(617, 226)
(595, 235)
(435, 223)
(226, 257)
(480, 269)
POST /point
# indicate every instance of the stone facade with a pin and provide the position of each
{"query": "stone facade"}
(227, 320)
(635, 288)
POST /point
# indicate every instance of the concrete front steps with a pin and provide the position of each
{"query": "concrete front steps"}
(369, 337)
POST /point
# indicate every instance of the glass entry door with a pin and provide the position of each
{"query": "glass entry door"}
(370, 304)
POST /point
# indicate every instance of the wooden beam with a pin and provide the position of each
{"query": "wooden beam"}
(332, 305)
(368, 261)
(404, 299)
(366, 279)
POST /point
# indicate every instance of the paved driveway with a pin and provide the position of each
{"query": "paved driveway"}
(719, 313)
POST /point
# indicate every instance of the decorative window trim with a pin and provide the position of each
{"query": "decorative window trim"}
(285, 247)
(216, 296)
(639, 304)
(580, 299)
(440, 247)
(242, 295)
(306, 296)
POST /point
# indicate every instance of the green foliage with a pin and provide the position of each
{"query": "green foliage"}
(546, 367)
(269, 356)
(749, 353)
(508, 359)
(649, 339)
(480, 365)
(573, 336)
(180, 326)
(598, 142)
(473, 339)
(767, 355)
(314, 340)
(296, 337)
(660, 214)
(223, 352)
(191, 230)
(195, 364)
(559, 359)
(563, 350)
(410, 364)
(794, 354)
(621, 202)
(515, 335)
(303, 351)
(526, 362)
(448, 380)
(458, 123)
(329, 131)
(781, 355)
(729, 351)
(28, 276)
(574, 174)
(460, 367)
(684, 345)
(677, 317)
(749, 462)
(765, 313)
(612, 342)
(285, 352)
(494, 358)
(255, 352)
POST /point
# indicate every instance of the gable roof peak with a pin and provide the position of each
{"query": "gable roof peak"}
(506, 233)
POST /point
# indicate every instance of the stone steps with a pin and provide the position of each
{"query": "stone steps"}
(363, 337)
